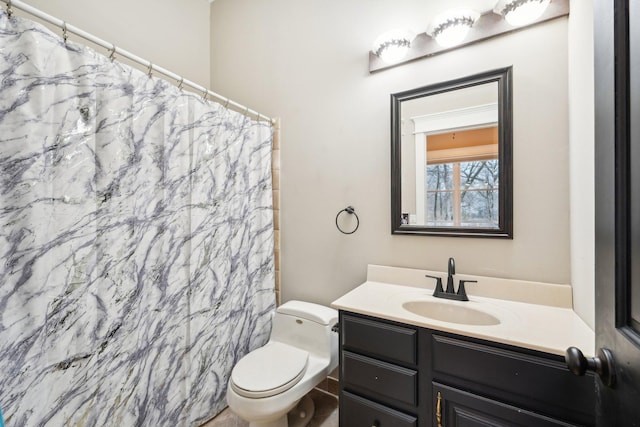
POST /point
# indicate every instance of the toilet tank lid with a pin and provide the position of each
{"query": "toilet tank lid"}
(310, 311)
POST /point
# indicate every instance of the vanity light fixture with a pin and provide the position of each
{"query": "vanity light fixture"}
(393, 45)
(521, 12)
(461, 27)
(451, 27)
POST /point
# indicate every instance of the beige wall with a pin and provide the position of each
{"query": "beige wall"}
(307, 62)
(171, 34)
(581, 137)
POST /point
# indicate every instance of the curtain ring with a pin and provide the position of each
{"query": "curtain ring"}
(112, 52)
(9, 9)
(350, 210)
(181, 82)
(65, 36)
(205, 92)
(150, 70)
(226, 104)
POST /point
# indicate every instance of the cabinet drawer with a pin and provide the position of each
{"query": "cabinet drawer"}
(523, 379)
(462, 409)
(356, 411)
(378, 379)
(396, 343)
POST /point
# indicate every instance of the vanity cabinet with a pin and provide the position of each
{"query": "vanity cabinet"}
(392, 374)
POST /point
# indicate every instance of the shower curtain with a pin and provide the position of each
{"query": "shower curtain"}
(136, 240)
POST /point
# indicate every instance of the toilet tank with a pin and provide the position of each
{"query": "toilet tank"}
(307, 326)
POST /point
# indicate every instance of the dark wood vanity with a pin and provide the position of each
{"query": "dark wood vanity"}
(393, 374)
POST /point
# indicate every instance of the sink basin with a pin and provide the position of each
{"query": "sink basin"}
(452, 313)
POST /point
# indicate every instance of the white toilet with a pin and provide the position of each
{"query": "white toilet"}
(270, 381)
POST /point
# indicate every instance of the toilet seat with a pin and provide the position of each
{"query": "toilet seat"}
(269, 370)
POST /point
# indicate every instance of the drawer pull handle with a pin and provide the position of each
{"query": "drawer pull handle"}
(439, 410)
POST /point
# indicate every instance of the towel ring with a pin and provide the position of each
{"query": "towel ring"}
(350, 210)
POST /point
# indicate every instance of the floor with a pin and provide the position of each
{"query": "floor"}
(326, 413)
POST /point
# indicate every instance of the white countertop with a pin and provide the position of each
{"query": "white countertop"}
(538, 316)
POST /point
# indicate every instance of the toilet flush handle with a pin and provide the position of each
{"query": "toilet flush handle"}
(336, 327)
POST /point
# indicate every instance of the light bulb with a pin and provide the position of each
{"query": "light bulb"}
(522, 12)
(452, 36)
(393, 53)
(393, 45)
(451, 28)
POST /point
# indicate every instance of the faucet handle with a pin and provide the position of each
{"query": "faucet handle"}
(438, 283)
(462, 291)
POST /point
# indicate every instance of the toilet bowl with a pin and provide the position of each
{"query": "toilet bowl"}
(302, 350)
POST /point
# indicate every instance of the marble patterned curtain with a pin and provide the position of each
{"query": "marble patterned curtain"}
(136, 240)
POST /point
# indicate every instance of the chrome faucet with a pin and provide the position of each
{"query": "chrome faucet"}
(450, 293)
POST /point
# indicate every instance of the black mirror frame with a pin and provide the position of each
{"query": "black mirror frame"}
(503, 77)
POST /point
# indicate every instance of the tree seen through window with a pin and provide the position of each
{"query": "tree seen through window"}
(463, 194)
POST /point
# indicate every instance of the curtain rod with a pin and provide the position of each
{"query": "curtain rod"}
(113, 50)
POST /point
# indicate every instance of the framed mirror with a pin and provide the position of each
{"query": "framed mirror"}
(451, 158)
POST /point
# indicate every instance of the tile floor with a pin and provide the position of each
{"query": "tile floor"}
(326, 413)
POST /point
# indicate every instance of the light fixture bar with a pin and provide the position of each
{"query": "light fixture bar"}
(488, 25)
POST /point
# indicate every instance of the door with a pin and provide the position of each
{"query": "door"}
(617, 201)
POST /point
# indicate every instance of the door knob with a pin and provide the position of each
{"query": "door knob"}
(602, 364)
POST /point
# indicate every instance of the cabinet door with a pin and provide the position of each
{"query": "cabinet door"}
(457, 408)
